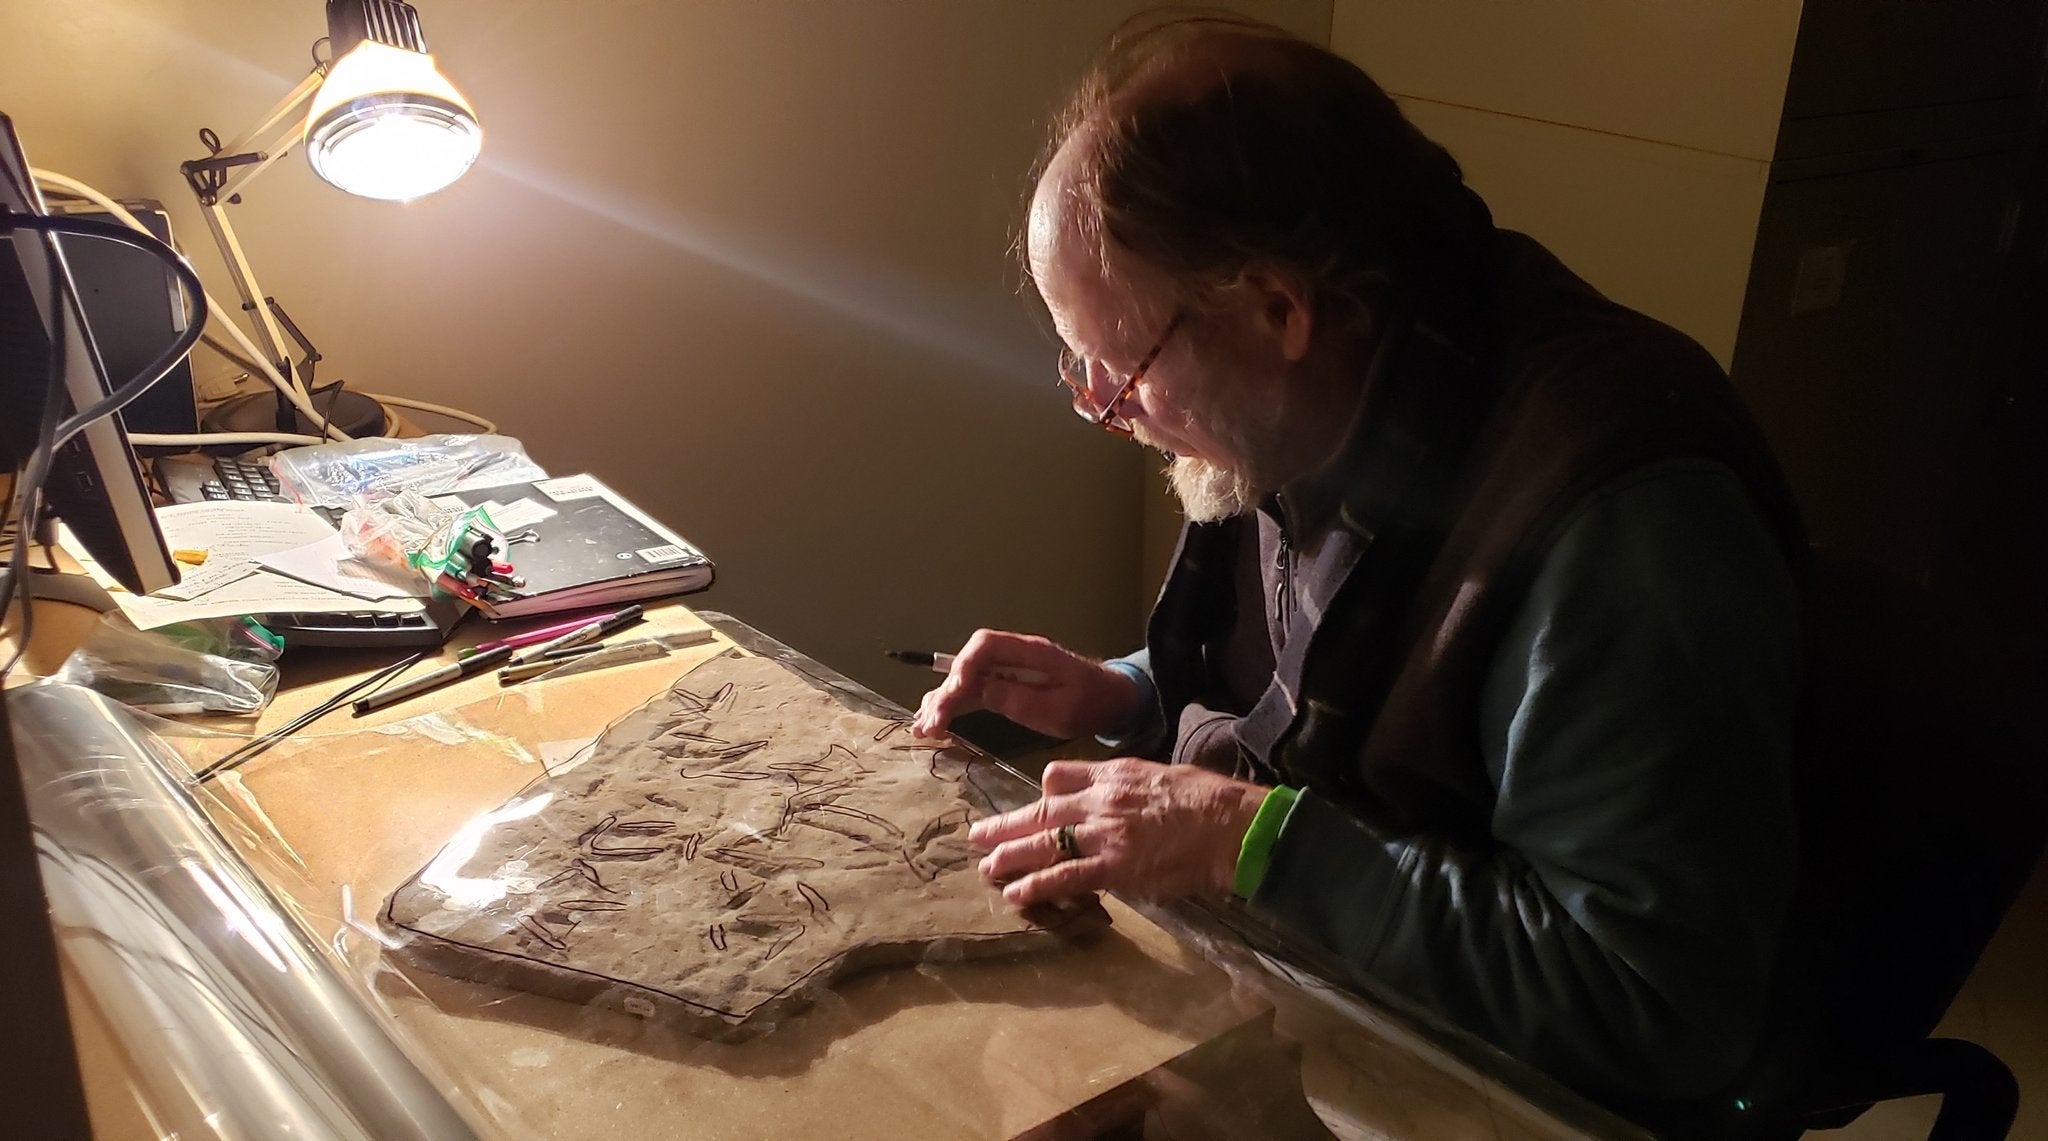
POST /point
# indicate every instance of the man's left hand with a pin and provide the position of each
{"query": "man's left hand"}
(1144, 829)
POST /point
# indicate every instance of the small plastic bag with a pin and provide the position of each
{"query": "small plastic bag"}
(413, 533)
(220, 665)
(335, 475)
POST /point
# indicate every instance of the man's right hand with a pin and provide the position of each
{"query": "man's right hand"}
(1080, 698)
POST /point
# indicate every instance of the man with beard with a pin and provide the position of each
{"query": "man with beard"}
(1476, 664)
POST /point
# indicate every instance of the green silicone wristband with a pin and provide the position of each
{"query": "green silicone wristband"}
(1256, 853)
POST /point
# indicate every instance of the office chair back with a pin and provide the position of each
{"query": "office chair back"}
(1922, 814)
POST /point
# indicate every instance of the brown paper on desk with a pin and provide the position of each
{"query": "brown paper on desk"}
(1036, 1045)
(718, 856)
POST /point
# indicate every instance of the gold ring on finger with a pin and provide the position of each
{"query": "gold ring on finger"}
(1063, 839)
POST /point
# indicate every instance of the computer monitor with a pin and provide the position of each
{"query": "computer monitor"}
(134, 307)
(94, 485)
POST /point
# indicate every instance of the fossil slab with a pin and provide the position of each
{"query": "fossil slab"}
(716, 856)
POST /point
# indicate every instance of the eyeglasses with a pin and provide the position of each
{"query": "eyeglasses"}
(1074, 371)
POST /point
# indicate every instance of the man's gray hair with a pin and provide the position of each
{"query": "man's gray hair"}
(1213, 146)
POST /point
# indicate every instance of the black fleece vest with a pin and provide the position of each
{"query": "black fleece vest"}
(1500, 398)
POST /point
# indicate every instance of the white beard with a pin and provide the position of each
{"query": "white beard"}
(1210, 493)
(1248, 425)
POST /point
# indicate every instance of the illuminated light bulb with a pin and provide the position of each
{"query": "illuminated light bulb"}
(387, 124)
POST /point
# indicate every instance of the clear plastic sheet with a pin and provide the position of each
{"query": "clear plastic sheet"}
(1164, 1024)
(222, 665)
(334, 475)
(235, 1023)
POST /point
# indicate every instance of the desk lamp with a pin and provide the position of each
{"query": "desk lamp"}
(379, 120)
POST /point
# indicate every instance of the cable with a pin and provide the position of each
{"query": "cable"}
(182, 439)
(299, 398)
(437, 409)
(56, 430)
(289, 388)
(28, 488)
(77, 189)
(155, 370)
(26, 485)
(254, 361)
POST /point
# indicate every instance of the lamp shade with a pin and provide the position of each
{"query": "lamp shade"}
(387, 124)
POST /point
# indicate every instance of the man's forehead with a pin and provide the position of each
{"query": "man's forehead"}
(1042, 231)
(1057, 216)
(1090, 310)
(1097, 299)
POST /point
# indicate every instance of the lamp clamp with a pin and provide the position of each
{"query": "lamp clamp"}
(206, 176)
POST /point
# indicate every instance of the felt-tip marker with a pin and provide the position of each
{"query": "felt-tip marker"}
(942, 663)
(433, 679)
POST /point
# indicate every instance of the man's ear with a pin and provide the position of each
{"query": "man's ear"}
(1283, 311)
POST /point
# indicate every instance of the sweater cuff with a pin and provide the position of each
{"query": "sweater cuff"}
(1145, 720)
(1255, 855)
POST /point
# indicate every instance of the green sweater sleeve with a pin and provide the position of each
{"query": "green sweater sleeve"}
(1637, 722)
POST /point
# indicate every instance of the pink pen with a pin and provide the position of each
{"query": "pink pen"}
(532, 637)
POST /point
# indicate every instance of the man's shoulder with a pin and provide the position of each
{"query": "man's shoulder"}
(1549, 315)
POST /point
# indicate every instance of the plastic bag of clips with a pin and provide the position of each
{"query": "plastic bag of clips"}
(222, 665)
(338, 475)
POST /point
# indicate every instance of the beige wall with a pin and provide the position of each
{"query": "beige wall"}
(1707, 75)
(1837, 197)
(746, 260)
(1633, 139)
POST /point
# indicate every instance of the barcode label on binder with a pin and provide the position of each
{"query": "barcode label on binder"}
(667, 554)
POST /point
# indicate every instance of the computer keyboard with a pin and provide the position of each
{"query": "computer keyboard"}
(194, 478)
(241, 479)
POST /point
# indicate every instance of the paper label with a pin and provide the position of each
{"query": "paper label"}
(216, 573)
(517, 515)
(666, 554)
(570, 487)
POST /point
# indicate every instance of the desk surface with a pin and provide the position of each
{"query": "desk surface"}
(1067, 1044)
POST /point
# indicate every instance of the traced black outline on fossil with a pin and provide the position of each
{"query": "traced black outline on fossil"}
(802, 812)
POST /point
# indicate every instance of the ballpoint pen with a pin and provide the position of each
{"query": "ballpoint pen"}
(638, 650)
(574, 651)
(942, 663)
(575, 660)
(589, 632)
(530, 637)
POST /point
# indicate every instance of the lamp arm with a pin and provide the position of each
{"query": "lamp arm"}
(292, 330)
(226, 169)
(52, 180)
(273, 137)
(218, 180)
(244, 277)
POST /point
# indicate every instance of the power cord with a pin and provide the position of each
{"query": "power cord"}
(291, 390)
(252, 358)
(55, 429)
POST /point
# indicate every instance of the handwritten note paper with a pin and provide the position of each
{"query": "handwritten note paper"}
(329, 563)
(242, 532)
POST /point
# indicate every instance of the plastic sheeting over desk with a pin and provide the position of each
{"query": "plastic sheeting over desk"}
(230, 934)
(236, 1024)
